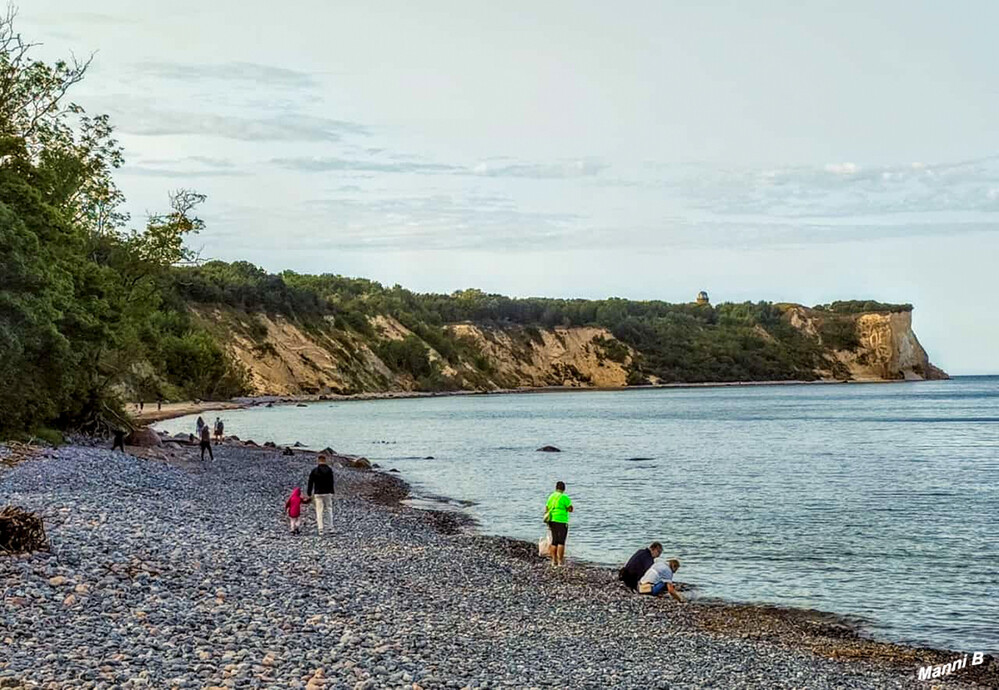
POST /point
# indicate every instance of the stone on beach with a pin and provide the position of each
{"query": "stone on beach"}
(184, 575)
(549, 449)
(144, 437)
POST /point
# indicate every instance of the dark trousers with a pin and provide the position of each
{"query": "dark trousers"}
(207, 445)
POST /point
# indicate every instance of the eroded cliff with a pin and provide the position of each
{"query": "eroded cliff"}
(285, 357)
(882, 347)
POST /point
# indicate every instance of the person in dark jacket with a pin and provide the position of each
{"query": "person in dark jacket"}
(321, 490)
(119, 440)
(206, 443)
(639, 564)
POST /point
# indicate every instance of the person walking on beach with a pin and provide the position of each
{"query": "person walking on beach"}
(206, 443)
(639, 564)
(293, 506)
(659, 577)
(557, 510)
(321, 489)
(219, 429)
(199, 425)
(119, 440)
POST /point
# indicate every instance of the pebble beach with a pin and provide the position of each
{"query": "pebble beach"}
(165, 572)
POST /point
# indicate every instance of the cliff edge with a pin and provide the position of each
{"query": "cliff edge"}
(285, 356)
(873, 346)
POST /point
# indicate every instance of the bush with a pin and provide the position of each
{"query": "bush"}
(408, 356)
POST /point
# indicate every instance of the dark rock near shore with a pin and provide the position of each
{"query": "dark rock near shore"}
(360, 464)
(270, 444)
(287, 451)
(549, 449)
(144, 437)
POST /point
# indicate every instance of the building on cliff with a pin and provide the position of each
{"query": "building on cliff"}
(702, 298)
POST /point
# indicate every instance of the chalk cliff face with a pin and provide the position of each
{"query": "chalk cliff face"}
(886, 349)
(574, 357)
(282, 357)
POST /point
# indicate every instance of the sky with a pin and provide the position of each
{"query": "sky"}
(784, 151)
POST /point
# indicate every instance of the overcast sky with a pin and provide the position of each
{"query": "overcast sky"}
(784, 151)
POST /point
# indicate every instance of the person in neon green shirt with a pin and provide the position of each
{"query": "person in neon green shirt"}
(557, 511)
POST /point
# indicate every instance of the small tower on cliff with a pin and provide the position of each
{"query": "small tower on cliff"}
(702, 298)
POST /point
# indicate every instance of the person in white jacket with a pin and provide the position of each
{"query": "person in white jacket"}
(659, 577)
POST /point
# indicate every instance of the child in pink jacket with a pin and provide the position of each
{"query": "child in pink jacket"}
(293, 506)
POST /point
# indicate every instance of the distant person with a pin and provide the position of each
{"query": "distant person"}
(293, 506)
(206, 443)
(119, 440)
(639, 564)
(659, 577)
(557, 510)
(199, 425)
(142, 404)
(159, 403)
(219, 429)
(321, 489)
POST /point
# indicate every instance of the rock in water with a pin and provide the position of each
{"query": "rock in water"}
(549, 449)
(144, 437)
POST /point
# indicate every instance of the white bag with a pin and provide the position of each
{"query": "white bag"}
(544, 543)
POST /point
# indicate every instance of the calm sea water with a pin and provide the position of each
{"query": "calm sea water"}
(878, 500)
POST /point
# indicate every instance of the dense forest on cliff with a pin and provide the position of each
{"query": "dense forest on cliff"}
(94, 310)
(683, 342)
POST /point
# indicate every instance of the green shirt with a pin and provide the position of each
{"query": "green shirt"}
(557, 507)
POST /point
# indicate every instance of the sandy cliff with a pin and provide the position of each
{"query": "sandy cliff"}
(283, 357)
(886, 347)
(557, 357)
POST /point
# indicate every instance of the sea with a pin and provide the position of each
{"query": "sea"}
(878, 502)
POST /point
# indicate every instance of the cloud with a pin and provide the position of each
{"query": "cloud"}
(583, 167)
(842, 168)
(838, 190)
(257, 74)
(188, 166)
(335, 164)
(91, 18)
(432, 221)
(407, 164)
(152, 121)
(143, 171)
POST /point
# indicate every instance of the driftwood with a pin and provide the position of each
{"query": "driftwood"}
(21, 531)
(17, 453)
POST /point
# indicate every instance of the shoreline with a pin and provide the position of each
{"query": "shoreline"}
(835, 636)
(766, 629)
(182, 409)
(832, 635)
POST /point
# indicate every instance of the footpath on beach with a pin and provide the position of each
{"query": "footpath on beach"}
(181, 574)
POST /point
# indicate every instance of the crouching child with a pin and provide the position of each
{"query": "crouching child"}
(659, 578)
